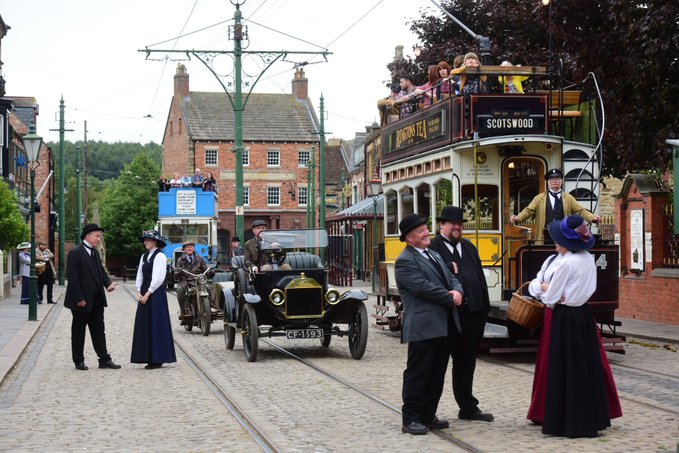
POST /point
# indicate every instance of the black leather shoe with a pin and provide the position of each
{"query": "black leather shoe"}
(153, 366)
(436, 423)
(51, 302)
(81, 366)
(415, 428)
(109, 364)
(478, 416)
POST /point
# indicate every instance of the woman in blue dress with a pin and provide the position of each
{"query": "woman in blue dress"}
(152, 342)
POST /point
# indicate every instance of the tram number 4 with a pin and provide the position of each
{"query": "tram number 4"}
(601, 262)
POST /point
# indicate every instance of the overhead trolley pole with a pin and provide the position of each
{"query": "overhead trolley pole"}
(238, 33)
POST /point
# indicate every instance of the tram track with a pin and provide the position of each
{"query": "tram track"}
(440, 433)
(622, 397)
(258, 435)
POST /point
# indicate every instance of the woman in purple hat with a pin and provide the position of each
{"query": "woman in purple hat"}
(574, 393)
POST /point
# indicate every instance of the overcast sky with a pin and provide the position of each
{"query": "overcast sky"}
(87, 51)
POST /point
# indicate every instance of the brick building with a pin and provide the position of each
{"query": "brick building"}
(280, 138)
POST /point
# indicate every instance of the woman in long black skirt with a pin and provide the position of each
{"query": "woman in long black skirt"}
(578, 396)
(152, 342)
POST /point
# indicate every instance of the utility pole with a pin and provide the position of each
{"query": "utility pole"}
(61, 185)
(79, 197)
(85, 186)
(321, 176)
(207, 57)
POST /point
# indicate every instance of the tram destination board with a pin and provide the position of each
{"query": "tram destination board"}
(509, 115)
(294, 334)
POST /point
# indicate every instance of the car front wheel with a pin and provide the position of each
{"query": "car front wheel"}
(358, 331)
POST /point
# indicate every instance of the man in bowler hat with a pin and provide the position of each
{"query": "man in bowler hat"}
(462, 259)
(552, 204)
(86, 298)
(430, 295)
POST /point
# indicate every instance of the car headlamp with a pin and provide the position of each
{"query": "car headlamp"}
(277, 297)
(332, 296)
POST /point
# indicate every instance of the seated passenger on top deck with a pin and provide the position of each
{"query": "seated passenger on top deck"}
(409, 97)
(512, 84)
(471, 83)
(446, 85)
(386, 106)
(429, 88)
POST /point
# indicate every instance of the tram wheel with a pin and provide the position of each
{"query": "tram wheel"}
(250, 333)
(358, 332)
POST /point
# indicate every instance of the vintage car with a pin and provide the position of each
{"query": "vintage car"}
(294, 301)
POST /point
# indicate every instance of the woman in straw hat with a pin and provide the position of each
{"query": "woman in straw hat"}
(574, 393)
(152, 342)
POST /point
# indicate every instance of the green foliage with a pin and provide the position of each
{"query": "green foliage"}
(130, 206)
(13, 229)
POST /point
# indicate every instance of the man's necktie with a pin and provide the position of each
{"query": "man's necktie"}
(437, 266)
(558, 206)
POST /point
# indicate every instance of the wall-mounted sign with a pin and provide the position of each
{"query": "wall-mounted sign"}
(637, 240)
(186, 202)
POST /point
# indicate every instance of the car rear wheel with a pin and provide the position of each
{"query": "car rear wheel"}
(205, 316)
(250, 333)
(358, 331)
(229, 336)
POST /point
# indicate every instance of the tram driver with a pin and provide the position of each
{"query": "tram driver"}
(552, 204)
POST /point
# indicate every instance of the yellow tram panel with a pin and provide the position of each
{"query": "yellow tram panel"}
(490, 249)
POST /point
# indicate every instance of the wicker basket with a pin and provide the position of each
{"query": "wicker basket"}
(525, 311)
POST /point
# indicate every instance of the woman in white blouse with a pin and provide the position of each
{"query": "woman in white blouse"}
(152, 342)
(574, 393)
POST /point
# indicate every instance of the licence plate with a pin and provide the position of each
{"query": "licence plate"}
(304, 333)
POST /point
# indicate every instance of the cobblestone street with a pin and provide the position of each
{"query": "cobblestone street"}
(46, 405)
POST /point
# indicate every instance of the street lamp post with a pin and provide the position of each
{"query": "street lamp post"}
(375, 187)
(32, 145)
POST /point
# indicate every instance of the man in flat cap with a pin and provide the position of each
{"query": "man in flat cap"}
(86, 297)
(553, 204)
(254, 245)
(192, 262)
(430, 295)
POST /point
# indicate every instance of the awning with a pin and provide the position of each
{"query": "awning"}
(365, 208)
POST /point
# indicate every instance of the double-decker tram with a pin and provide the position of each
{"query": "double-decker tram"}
(488, 154)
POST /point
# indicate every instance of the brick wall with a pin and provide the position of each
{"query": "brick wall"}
(651, 294)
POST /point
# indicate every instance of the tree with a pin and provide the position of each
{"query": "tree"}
(130, 206)
(631, 46)
(13, 229)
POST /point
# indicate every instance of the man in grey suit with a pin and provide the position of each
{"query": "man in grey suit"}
(430, 294)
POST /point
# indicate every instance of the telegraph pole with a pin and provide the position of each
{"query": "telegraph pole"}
(238, 104)
(79, 197)
(61, 185)
(321, 176)
(85, 186)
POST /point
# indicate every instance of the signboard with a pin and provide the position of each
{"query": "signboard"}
(637, 240)
(422, 130)
(508, 115)
(186, 202)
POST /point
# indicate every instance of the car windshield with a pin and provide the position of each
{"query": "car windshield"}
(294, 239)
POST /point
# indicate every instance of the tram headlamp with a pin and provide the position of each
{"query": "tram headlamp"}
(332, 296)
(277, 297)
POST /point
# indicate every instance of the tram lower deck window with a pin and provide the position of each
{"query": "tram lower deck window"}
(489, 206)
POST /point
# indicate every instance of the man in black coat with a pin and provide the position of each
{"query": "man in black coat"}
(86, 298)
(430, 294)
(462, 258)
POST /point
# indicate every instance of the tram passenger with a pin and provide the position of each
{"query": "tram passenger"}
(209, 183)
(175, 182)
(197, 179)
(186, 180)
(471, 83)
(512, 84)
(560, 205)
(463, 260)
(191, 262)
(386, 106)
(152, 342)
(574, 394)
(432, 86)
(446, 84)
(430, 295)
(254, 245)
(409, 98)
(163, 185)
